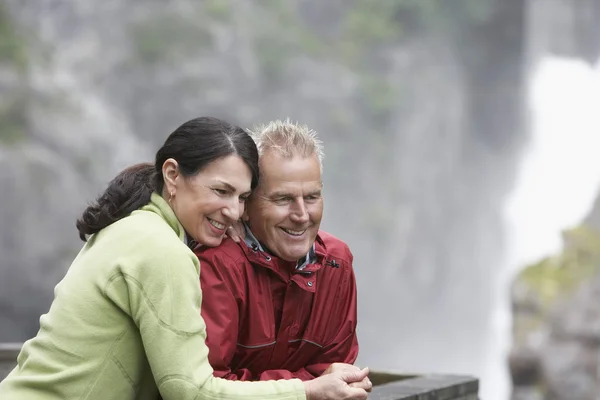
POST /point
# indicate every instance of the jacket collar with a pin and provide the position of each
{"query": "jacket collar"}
(159, 206)
(252, 243)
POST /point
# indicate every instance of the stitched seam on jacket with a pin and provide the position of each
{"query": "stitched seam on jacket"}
(123, 372)
(163, 324)
(307, 341)
(256, 346)
(107, 357)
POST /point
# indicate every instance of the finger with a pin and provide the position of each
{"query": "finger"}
(364, 384)
(344, 367)
(354, 376)
(356, 394)
(233, 234)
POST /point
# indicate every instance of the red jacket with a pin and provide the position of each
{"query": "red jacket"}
(267, 319)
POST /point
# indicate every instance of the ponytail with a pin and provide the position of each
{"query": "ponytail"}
(128, 191)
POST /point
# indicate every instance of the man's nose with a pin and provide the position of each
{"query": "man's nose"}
(299, 213)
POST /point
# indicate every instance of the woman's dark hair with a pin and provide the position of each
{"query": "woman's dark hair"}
(194, 145)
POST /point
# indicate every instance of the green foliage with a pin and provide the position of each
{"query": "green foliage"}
(169, 38)
(372, 24)
(444, 13)
(13, 104)
(380, 95)
(371, 21)
(378, 22)
(284, 37)
(218, 9)
(280, 35)
(13, 120)
(273, 56)
(12, 46)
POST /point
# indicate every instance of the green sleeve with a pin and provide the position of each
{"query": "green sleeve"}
(163, 300)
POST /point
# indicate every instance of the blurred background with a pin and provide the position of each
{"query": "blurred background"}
(461, 137)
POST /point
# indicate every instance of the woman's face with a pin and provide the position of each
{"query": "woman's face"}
(207, 203)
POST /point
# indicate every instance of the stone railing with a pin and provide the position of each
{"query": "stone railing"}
(8, 357)
(387, 385)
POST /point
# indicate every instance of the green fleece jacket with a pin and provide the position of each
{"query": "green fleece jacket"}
(125, 323)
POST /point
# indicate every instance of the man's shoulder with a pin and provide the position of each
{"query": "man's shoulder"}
(335, 247)
(337, 271)
(228, 251)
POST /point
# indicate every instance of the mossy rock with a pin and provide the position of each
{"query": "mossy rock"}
(559, 275)
(541, 285)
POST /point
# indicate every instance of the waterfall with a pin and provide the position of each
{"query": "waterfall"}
(556, 186)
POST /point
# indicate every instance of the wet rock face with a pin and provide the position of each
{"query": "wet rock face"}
(556, 326)
(572, 357)
(403, 118)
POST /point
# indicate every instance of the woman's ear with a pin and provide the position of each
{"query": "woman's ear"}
(170, 171)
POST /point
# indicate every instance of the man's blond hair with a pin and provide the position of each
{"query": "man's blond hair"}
(288, 139)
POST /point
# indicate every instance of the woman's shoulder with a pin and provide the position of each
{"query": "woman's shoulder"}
(144, 237)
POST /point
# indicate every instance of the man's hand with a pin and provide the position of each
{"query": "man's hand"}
(343, 367)
(337, 386)
(236, 231)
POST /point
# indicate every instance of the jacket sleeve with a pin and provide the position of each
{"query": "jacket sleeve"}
(275, 374)
(163, 298)
(221, 315)
(344, 347)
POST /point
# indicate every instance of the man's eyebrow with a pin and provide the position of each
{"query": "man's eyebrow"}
(278, 194)
(281, 194)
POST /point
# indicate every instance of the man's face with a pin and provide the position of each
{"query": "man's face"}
(285, 210)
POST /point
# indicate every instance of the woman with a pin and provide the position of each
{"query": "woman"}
(125, 321)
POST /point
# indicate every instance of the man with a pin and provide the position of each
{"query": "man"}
(281, 303)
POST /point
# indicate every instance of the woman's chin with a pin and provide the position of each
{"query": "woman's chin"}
(211, 241)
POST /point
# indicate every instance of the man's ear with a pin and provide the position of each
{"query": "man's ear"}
(170, 171)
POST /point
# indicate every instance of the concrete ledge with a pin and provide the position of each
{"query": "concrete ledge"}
(426, 387)
(9, 351)
(8, 357)
(387, 385)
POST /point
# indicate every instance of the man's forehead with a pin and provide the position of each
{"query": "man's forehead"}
(274, 165)
(293, 187)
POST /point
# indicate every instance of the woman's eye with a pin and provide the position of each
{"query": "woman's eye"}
(243, 199)
(220, 191)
